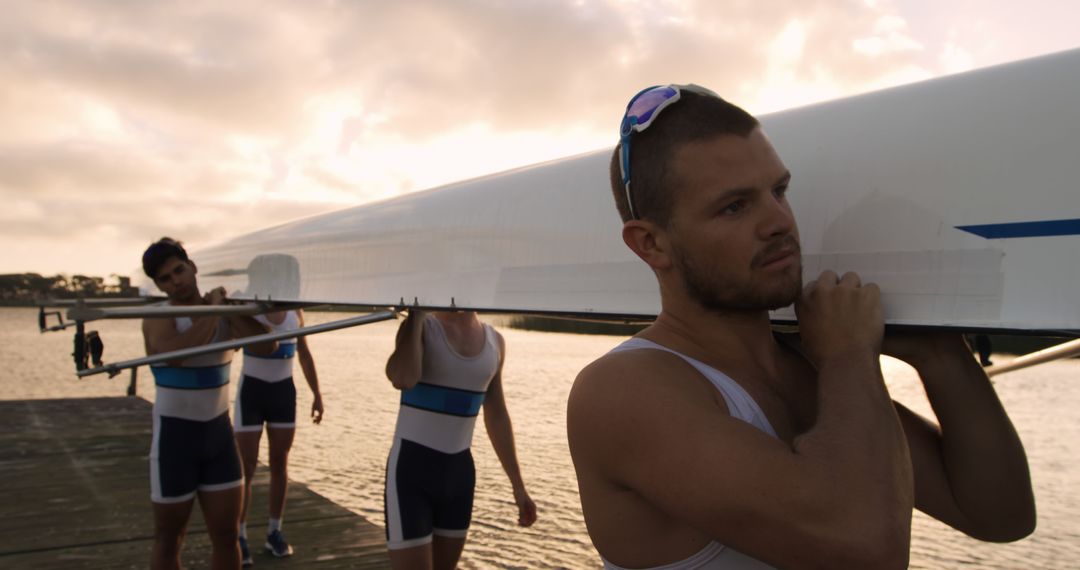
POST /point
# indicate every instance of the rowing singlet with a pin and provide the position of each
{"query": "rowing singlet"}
(714, 556)
(279, 365)
(440, 411)
(265, 393)
(197, 389)
(192, 447)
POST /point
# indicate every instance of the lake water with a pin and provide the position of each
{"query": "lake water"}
(344, 458)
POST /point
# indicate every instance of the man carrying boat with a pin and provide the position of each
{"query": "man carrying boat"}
(448, 365)
(267, 395)
(193, 451)
(708, 441)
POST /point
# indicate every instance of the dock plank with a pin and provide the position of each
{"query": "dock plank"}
(76, 493)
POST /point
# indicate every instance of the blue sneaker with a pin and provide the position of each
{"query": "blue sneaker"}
(277, 545)
(245, 554)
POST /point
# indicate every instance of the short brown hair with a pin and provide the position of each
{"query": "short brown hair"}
(693, 117)
(159, 252)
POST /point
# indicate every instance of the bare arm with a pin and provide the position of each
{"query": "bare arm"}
(405, 364)
(972, 472)
(307, 366)
(243, 326)
(160, 334)
(840, 495)
(501, 432)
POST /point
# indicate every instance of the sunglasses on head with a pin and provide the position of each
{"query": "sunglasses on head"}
(641, 111)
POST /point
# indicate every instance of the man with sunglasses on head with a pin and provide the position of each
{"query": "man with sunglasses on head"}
(709, 441)
(193, 453)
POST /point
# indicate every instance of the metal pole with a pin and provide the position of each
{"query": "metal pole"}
(239, 343)
(85, 314)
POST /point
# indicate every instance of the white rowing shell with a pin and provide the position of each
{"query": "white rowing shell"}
(958, 196)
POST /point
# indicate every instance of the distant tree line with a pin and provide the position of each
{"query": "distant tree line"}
(26, 288)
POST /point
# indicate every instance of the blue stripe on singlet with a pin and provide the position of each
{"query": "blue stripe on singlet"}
(284, 350)
(443, 400)
(191, 378)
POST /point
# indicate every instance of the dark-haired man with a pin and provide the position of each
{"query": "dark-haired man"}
(193, 451)
(706, 441)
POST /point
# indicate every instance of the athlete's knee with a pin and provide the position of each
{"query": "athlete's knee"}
(228, 534)
(249, 466)
(279, 461)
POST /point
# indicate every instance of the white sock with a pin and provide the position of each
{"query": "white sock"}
(275, 524)
(243, 530)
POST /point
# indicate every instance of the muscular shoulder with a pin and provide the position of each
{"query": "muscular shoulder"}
(637, 375)
(156, 331)
(625, 398)
(627, 375)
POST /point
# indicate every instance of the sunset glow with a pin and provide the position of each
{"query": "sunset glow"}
(123, 124)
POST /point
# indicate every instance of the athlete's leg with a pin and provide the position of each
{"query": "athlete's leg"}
(248, 416)
(447, 551)
(412, 558)
(170, 525)
(221, 511)
(407, 505)
(174, 476)
(454, 510)
(248, 443)
(221, 491)
(280, 440)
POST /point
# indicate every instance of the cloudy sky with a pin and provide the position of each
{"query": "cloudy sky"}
(125, 120)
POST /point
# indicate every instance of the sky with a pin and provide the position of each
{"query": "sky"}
(122, 121)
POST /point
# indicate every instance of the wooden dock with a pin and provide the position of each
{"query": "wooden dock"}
(75, 493)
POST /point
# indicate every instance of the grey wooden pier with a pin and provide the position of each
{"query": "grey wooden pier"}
(75, 493)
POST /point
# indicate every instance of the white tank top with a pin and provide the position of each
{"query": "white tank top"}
(198, 389)
(279, 365)
(440, 411)
(714, 556)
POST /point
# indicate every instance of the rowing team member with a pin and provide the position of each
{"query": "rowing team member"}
(448, 365)
(194, 452)
(267, 395)
(707, 441)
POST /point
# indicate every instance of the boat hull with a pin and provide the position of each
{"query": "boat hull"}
(957, 196)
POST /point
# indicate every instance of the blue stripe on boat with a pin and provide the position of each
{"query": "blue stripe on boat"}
(1025, 229)
(191, 378)
(443, 400)
(284, 350)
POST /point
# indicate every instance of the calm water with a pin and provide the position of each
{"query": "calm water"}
(344, 457)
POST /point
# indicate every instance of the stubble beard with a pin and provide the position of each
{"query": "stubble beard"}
(721, 294)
